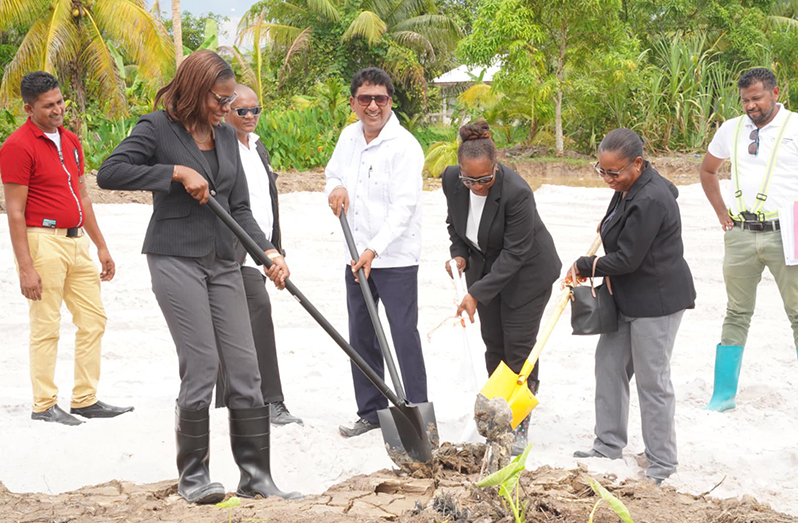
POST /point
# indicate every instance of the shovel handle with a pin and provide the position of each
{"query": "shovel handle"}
(544, 334)
(257, 253)
(459, 286)
(375, 318)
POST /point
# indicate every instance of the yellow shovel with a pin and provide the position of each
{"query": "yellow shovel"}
(504, 383)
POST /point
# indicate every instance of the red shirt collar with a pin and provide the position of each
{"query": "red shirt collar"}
(36, 130)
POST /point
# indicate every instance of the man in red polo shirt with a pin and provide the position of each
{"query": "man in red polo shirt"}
(48, 205)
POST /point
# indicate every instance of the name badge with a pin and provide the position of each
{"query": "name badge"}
(48, 223)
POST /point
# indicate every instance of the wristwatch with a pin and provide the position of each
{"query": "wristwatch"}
(372, 250)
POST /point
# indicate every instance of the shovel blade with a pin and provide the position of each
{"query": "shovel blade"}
(410, 429)
(503, 383)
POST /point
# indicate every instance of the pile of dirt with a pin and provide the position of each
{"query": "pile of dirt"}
(573, 170)
(547, 494)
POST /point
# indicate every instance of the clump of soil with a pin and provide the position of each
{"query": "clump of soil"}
(493, 418)
(547, 495)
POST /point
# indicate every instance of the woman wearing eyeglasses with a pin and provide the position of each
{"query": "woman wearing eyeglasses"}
(652, 286)
(183, 154)
(508, 256)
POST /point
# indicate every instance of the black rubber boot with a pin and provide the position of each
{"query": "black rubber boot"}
(249, 439)
(193, 451)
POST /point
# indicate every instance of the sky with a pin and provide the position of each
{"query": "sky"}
(232, 9)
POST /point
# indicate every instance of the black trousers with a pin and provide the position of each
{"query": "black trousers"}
(260, 318)
(397, 288)
(509, 334)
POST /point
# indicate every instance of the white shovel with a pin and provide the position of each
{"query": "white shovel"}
(477, 364)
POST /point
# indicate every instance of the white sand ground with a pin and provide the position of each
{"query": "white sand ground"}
(755, 447)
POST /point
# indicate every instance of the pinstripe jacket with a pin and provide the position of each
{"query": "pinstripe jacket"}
(179, 225)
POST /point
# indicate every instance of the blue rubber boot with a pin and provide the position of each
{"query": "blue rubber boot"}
(728, 361)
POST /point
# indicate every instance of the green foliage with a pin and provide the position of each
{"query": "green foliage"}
(102, 137)
(614, 503)
(195, 29)
(507, 480)
(298, 138)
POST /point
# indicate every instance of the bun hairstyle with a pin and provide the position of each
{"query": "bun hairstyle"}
(623, 141)
(476, 142)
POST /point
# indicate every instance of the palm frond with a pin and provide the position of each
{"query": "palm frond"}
(52, 41)
(477, 94)
(301, 43)
(277, 34)
(325, 8)
(404, 9)
(439, 156)
(414, 41)
(247, 74)
(138, 33)
(99, 65)
(368, 26)
(20, 12)
(383, 8)
(441, 31)
(782, 21)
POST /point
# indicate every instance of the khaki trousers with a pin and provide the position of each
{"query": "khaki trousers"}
(69, 276)
(747, 253)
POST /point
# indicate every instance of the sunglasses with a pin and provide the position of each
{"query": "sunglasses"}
(224, 100)
(380, 99)
(612, 174)
(242, 111)
(482, 180)
(753, 147)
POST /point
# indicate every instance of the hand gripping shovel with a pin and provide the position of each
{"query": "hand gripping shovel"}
(397, 426)
(415, 441)
(504, 383)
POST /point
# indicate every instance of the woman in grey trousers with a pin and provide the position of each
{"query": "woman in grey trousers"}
(183, 154)
(652, 285)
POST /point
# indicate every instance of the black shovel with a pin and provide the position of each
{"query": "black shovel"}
(390, 417)
(407, 434)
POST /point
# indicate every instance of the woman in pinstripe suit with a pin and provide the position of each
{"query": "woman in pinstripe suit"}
(183, 154)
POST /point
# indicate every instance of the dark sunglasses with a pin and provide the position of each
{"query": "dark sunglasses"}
(613, 174)
(753, 147)
(482, 180)
(242, 111)
(380, 99)
(224, 100)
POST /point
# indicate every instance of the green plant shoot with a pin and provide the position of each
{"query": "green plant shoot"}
(507, 479)
(234, 501)
(614, 503)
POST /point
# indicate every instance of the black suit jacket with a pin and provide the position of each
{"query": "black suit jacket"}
(516, 259)
(180, 226)
(276, 238)
(644, 251)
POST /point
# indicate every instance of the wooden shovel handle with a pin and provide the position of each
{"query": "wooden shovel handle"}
(548, 328)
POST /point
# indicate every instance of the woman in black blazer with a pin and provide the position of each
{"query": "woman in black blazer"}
(509, 259)
(183, 154)
(652, 285)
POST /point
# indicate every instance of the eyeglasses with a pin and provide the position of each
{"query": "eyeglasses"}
(224, 100)
(380, 99)
(753, 147)
(482, 180)
(242, 111)
(613, 174)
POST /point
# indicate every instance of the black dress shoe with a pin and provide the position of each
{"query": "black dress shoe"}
(55, 415)
(280, 416)
(592, 453)
(361, 426)
(100, 410)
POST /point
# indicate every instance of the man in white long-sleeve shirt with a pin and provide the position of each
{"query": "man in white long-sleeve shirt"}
(375, 175)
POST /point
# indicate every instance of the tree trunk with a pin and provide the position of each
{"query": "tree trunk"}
(79, 93)
(560, 82)
(177, 32)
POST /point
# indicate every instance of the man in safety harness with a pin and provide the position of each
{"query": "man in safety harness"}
(763, 148)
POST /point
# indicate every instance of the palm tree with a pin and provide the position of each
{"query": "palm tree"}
(77, 40)
(177, 32)
(413, 25)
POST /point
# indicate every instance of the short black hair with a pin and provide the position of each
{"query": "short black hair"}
(623, 141)
(373, 76)
(35, 84)
(757, 74)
